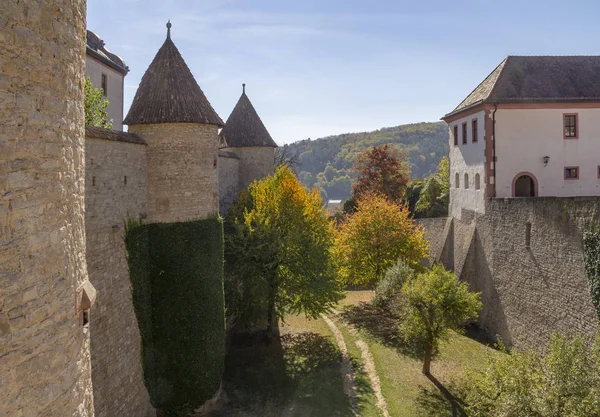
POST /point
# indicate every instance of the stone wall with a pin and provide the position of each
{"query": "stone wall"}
(115, 191)
(437, 233)
(182, 170)
(228, 180)
(45, 365)
(531, 290)
(255, 163)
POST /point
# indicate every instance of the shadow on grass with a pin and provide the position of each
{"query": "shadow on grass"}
(382, 326)
(297, 375)
(439, 401)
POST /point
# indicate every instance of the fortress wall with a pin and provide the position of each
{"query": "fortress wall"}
(543, 287)
(528, 292)
(45, 365)
(182, 170)
(228, 180)
(256, 162)
(115, 341)
(437, 233)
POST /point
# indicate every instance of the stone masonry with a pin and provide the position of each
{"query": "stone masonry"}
(44, 348)
(115, 191)
(182, 170)
(526, 257)
(255, 162)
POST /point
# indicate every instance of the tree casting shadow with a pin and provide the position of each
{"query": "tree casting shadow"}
(439, 402)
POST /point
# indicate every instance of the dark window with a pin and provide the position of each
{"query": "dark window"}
(125, 180)
(474, 128)
(93, 181)
(464, 133)
(527, 234)
(598, 171)
(570, 123)
(103, 84)
(455, 135)
(572, 173)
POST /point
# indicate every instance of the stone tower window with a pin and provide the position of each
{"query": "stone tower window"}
(215, 163)
(456, 180)
(93, 181)
(527, 234)
(477, 182)
(466, 181)
(125, 180)
(104, 84)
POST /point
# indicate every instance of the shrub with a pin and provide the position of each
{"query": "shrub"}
(390, 286)
(176, 272)
(563, 382)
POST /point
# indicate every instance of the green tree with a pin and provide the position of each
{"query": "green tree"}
(565, 381)
(434, 195)
(436, 302)
(94, 105)
(370, 241)
(278, 250)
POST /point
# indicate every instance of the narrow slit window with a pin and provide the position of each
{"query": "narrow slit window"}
(466, 181)
(474, 130)
(477, 182)
(464, 133)
(125, 180)
(104, 84)
(527, 234)
(456, 180)
(93, 181)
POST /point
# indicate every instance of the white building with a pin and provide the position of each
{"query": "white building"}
(531, 128)
(107, 72)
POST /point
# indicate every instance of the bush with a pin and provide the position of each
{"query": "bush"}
(390, 286)
(563, 382)
(176, 273)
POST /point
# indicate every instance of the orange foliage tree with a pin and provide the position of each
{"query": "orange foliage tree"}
(369, 241)
(381, 170)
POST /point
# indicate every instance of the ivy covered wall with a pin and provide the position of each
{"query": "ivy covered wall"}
(176, 272)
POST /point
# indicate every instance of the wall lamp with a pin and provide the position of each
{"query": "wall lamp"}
(546, 159)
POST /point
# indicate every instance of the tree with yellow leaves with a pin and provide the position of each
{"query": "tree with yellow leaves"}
(278, 251)
(371, 240)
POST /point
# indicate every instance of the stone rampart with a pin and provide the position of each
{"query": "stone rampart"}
(526, 257)
(115, 191)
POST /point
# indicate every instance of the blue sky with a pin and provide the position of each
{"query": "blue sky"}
(316, 68)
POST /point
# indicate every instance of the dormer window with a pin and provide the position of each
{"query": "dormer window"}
(571, 126)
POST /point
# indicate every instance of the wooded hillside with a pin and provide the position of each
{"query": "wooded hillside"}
(326, 163)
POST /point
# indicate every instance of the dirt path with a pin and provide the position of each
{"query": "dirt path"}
(346, 365)
(369, 368)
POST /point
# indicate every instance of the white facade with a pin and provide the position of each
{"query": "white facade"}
(525, 136)
(467, 160)
(115, 80)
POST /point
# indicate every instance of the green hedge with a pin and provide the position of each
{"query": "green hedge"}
(591, 256)
(176, 273)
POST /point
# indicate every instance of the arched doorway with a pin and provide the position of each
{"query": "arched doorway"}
(524, 185)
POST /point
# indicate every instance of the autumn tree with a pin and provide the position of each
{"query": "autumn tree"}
(435, 303)
(94, 105)
(370, 241)
(278, 251)
(381, 170)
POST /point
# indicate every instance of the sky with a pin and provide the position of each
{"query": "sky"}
(315, 68)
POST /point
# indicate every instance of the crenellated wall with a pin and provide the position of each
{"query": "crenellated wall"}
(44, 345)
(531, 286)
(115, 191)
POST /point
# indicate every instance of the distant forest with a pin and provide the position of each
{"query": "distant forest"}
(326, 163)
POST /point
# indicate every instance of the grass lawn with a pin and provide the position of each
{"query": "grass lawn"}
(407, 391)
(297, 376)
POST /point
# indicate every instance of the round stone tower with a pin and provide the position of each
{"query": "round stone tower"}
(247, 137)
(172, 114)
(44, 292)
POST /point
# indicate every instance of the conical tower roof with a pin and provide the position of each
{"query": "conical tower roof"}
(244, 127)
(168, 92)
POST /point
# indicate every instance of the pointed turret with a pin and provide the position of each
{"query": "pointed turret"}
(171, 113)
(244, 127)
(168, 92)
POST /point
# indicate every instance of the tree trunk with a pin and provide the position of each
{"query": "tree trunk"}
(271, 314)
(427, 360)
